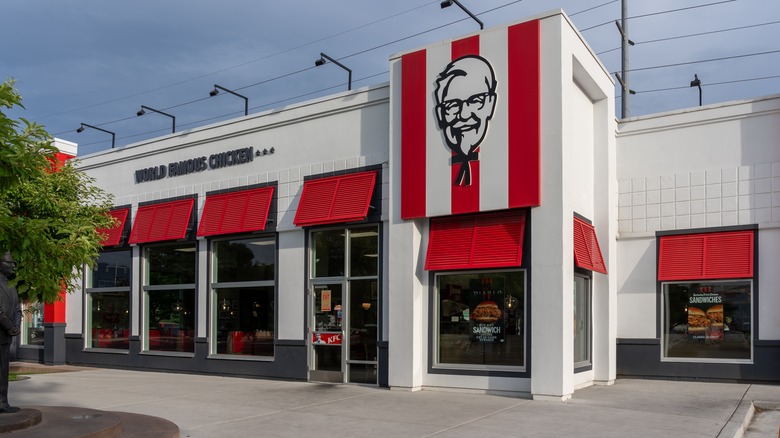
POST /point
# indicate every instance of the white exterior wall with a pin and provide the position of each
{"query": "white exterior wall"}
(339, 132)
(706, 167)
(577, 151)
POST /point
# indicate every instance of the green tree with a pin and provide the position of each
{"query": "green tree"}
(49, 215)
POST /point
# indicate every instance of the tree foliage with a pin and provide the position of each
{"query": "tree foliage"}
(49, 215)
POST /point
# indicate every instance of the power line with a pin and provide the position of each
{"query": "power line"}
(237, 65)
(312, 67)
(658, 13)
(594, 7)
(693, 35)
(199, 122)
(301, 70)
(421, 33)
(704, 60)
(710, 84)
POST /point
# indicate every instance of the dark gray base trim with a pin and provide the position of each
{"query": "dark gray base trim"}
(53, 343)
(383, 352)
(642, 358)
(484, 373)
(29, 353)
(290, 343)
(289, 360)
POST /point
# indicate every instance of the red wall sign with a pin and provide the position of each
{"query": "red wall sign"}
(470, 124)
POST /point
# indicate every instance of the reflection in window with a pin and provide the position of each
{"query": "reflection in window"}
(582, 321)
(108, 301)
(363, 252)
(480, 319)
(174, 264)
(328, 253)
(244, 260)
(171, 320)
(708, 320)
(244, 296)
(169, 313)
(109, 319)
(32, 324)
(245, 321)
(112, 269)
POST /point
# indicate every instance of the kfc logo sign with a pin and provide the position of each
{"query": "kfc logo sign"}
(465, 101)
(470, 127)
(326, 338)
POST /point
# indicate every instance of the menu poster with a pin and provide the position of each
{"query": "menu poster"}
(325, 304)
(486, 309)
(705, 314)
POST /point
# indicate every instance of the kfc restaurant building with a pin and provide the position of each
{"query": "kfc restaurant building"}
(482, 222)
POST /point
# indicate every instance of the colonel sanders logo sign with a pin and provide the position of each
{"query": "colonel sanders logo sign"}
(465, 102)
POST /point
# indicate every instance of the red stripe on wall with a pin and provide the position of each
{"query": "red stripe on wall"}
(465, 199)
(413, 122)
(524, 121)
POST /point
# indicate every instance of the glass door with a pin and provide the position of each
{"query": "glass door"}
(327, 333)
(344, 305)
(362, 321)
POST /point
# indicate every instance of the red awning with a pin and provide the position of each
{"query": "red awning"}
(163, 221)
(342, 198)
(236, 212)
(706, 256)
(114, 234)
(587, 252)
(486, 240)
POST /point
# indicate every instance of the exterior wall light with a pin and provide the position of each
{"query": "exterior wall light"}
(321, 61)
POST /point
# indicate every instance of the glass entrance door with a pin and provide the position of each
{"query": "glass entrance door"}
(327, 333)
(344, 305)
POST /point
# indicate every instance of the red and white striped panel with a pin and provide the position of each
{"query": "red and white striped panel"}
(506, 175)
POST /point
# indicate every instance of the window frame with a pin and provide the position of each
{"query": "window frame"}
(215, 286)
(587, 364)
(147, 288)
(663, 331)
(437, 365)
(89, 291)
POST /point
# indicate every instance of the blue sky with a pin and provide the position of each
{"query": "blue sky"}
(98, 61)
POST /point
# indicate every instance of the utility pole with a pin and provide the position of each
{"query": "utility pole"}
(622, 26)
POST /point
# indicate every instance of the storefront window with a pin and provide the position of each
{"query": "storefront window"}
(708, 320)
(363, 252)
(328, 253)
(169, 311)
(244, 296)
(108, 301)
(32, 324)
(480, 319)
(582, 321)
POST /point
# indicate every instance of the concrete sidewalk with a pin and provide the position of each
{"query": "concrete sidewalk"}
(211, 406)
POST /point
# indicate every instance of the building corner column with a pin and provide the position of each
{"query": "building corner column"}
(54, 331)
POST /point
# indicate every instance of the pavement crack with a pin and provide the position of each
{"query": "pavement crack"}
(325, 402)
(478, 418)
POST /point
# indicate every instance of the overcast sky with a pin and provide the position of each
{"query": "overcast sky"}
(98, 61)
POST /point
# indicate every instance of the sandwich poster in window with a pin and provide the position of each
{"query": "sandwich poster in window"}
(705, 314)
(486, 304)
